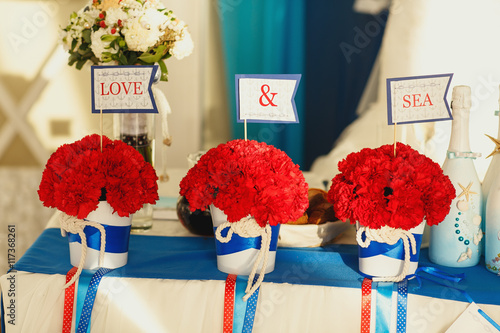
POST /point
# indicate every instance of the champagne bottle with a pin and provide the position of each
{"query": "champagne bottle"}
(491, 193)
(456, 242)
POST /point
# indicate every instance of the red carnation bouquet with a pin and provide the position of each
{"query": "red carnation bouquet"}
(378, 189)
(78, 174)
(245, 177)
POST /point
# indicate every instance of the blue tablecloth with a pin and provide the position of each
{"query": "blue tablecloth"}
(194, 258)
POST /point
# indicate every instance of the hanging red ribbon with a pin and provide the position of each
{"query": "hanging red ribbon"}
(69, 298)
(366, 305)
(229, 303)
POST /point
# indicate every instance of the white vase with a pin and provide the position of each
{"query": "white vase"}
(117, 238)
(384, 260)
(239, 254)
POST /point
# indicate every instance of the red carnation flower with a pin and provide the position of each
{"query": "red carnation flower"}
(76, 173)
(245, 177)
(377, 189)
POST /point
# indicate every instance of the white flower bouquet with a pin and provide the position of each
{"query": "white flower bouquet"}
(126, 32)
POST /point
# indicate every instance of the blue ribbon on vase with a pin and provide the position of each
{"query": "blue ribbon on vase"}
(395, 251)
(117, 238)
(238, 243)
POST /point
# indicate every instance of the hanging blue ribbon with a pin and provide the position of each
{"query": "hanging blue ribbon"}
(447, 277)
(117, 238)
(395, 251)
(83, 286)
(251, 309)
(239, 304)
(440, 274)
(238, 243)
(244, 311)
(88, 303)
(383, 308)
(402, 306)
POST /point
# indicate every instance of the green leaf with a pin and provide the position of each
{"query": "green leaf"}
(164, 71)
(83, 51)
(147, 57)
(80, 63)
(108, 38)
(83, 47)
(73, 44)
(157, 56)
(122, 59)
(86, 36)
(107, 56)
(132, 58)
(72, 59)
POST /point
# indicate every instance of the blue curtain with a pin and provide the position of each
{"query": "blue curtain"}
(341, 47)
(332, 46)
(265, 37)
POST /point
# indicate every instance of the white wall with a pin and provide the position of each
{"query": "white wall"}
(30, 36)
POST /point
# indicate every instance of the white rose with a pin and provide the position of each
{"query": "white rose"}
(154, 19)
(98, 46)
(140, 34)
(184, 47)
(89, 15)
(113, 15)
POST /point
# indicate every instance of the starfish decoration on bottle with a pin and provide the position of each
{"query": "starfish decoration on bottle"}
(466, 191)
(497, 146)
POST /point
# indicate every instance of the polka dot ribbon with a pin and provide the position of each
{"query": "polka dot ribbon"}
(229, 303)
(366, 305)
(251, 307)
(88, 303)
(402, 306)
(69, 298)
(239, 314)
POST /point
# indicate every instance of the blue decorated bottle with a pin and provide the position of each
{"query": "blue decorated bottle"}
(456, 242)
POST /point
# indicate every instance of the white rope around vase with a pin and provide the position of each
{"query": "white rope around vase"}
(75, 225)
(390, 236)
(248, 227)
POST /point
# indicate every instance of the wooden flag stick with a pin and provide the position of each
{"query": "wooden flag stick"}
(395, 132)
(101, 126)
(245, 124)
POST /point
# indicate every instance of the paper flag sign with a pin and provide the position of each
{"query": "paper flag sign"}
(267, 98)
(123, 89)
(417, 99)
